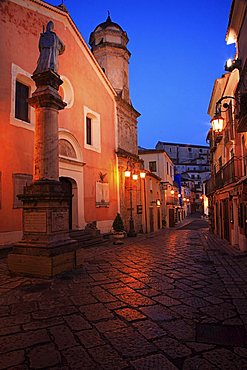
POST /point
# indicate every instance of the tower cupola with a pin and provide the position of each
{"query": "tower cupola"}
(108, 43)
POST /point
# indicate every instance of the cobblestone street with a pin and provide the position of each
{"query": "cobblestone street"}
(173, 300)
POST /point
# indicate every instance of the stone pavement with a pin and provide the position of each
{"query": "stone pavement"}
(172, 300)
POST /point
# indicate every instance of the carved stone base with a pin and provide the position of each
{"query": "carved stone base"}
(46, 248)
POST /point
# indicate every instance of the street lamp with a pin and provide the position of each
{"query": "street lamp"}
(218, 121)
(132, 175)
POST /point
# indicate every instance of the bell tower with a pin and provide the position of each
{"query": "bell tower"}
(109, 45)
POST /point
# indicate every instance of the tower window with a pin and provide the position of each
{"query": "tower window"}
(89, 130)
(21, 104)
(152, 166)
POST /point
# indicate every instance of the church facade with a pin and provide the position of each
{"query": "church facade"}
(87, 126)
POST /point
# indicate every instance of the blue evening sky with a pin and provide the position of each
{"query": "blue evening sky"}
(178, 49)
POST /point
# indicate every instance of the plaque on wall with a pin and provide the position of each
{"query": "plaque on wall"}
(60, 221)
(34, 222)
(102, 194)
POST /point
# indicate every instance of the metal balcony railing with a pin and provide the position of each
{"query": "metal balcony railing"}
(228, 174)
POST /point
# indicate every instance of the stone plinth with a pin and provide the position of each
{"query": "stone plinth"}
(46, 248)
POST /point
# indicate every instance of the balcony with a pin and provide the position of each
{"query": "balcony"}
(228, 174)
(242, 121)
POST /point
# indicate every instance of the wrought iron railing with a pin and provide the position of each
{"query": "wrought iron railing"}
(228, 174)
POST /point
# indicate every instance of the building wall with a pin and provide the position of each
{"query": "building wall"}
(86, 89)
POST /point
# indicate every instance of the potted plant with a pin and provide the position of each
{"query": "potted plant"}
(118, 230)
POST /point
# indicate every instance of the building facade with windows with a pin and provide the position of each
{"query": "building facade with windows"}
(159, 163)
(192, 162)
(87, 126)
(227, 187)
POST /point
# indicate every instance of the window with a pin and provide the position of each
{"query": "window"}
(88, 130)
(167, 168)
(152, 166)
(21, 104)
(189, 149)
(170, 170)
(92, 130)
(200, 150)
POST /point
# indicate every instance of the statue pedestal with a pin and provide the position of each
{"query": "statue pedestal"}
(46, 248)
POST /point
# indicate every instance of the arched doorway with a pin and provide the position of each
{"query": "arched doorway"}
(72, 190)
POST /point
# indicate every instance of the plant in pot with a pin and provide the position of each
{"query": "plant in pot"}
(118, 230)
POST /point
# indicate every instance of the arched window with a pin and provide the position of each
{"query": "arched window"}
(66, 149)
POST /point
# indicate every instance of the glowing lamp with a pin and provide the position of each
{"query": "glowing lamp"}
(158, 203)
(217, 123)
(135, 176)
(187, 200)
(142, 175)
(127, 173)
(179, 195)
(184, 199)
(172, 192)
(229, 63)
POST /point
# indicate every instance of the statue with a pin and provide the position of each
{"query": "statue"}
(50, 46)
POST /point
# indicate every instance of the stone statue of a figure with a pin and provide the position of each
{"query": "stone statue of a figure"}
(50, 46)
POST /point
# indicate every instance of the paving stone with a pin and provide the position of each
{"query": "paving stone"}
(180, 329)
(166, 300)
(153, 362)
(110, 325)
(185, 311)
(41, 324)
(172, 347)
(199, 347)
(241, 351)
(10, 330)
(196, 302)
(77, 359)
(4, 311)
(177, 293)
(149, 329)
(149, 292)
(23, 340)
(225, 359)
(24, 307)
(103, 296)
(115, 305)
(221, 334)
(90, 338)
(136, 299)
(83, 299)
(77, 322)
(63, 337)
(13, 358)
(158, 312)
(121, 290)
(196, 362)
(107, 358)
(96, 312)
(49, 313)
(130, 343)
(14, 320)
(130, 314)
(44, 356)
